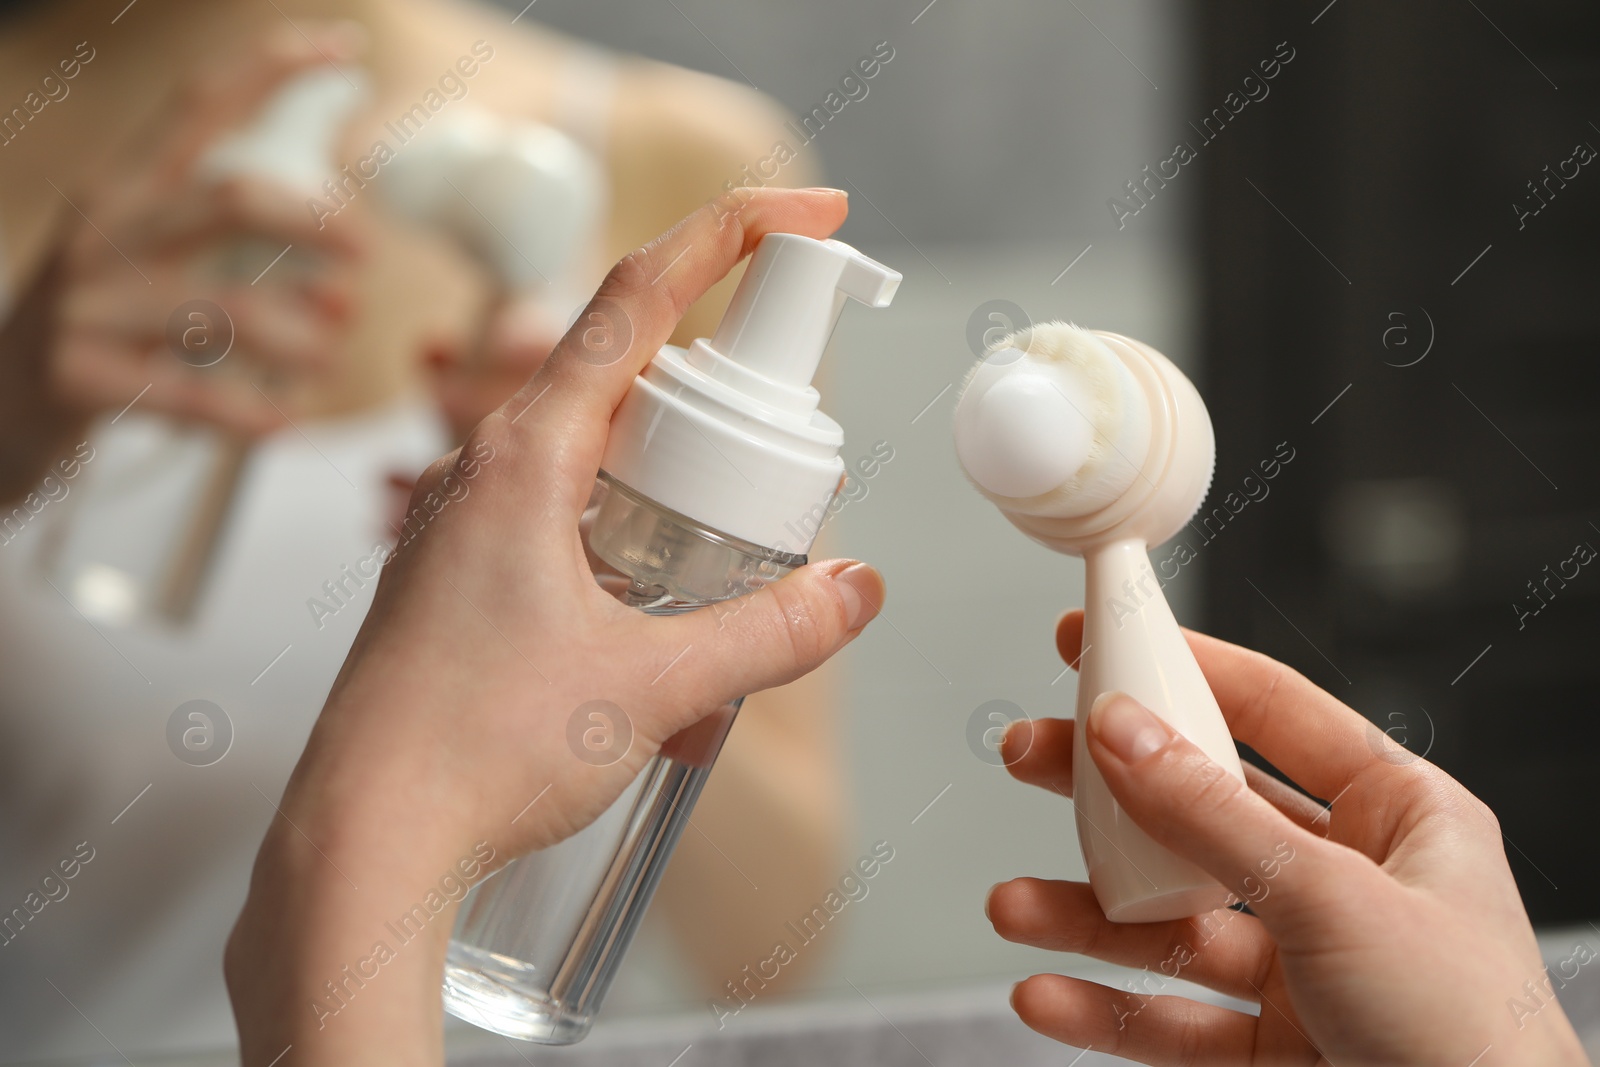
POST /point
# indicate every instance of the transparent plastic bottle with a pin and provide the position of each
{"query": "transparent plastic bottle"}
(537, 946)
(718, 471)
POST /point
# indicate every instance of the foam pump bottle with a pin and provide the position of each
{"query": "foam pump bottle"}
(718, 466)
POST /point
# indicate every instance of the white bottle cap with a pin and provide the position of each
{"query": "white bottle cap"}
(728, 433)
(293, 138)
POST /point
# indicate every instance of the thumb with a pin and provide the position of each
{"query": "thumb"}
(1191, 805)
(773, 636)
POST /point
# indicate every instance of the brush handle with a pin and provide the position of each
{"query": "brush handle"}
(1132, 643)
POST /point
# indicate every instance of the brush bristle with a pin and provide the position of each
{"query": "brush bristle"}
(1115, 408)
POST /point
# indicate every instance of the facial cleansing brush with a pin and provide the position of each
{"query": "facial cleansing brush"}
(1095, 445)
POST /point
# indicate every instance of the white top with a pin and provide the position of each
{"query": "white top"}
(136, 942)
(133, 941)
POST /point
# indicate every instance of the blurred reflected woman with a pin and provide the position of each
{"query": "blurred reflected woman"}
(145, 754)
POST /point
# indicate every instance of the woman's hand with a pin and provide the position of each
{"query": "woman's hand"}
(447, 732)
(469, 381)
(1387, 928)
(98, 324)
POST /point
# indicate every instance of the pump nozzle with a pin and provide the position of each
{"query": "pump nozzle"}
(293, 137)
(789, 301)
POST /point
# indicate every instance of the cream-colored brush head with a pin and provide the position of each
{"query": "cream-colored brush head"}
(1051, 423)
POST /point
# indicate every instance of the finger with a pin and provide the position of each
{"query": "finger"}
(771, 637)
(240, 204)
(1195, 808)
(1300, 809)
(94, 375)
(239, 407)
(1223, 950)
(1039, 752)
(267, 325)
(1306, 733)
(228, 92)
(1150, 1029)
(642, 298)
(120, 305)
(1069, 637)
(278, 332)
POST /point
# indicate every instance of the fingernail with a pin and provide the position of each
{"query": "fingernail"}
(830, 190)
(861, 589)
(988, 901)
(1126, 727)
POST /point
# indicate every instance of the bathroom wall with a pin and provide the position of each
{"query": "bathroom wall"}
(980, 164)
(1009, 120)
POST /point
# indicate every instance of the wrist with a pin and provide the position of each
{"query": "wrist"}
(314, 962)
(343, 935)
(373, 796)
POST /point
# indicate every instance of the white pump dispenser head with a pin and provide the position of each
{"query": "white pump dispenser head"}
(292, 139)
(728, 432)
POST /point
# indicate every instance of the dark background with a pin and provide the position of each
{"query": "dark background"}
(1428, 496)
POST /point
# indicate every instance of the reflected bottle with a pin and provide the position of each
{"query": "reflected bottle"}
(139, 541)
(717, 474)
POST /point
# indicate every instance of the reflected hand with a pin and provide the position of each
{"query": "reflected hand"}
(516, 340)
(1387, 928)
(90, 331)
